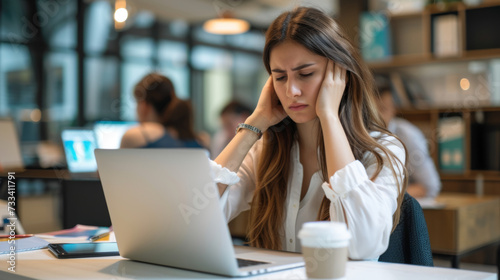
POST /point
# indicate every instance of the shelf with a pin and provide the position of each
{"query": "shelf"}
(415, 60)
(408, 111)
(488, 175)
(412, 36)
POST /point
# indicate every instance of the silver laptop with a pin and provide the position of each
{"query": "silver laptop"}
(10, 152)
(79, 145)
(165, 209)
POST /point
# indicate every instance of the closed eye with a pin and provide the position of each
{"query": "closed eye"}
(280, 78)
(306, 75)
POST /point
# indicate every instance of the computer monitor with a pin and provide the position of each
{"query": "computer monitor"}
(109, 133)
(79, 145)
(10, 152)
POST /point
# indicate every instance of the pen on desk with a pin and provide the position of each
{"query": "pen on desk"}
(4, 237)
(99, 236)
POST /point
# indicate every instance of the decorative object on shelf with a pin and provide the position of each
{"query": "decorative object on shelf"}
(443, 4)
(446, 36)
(405, 6)
(494, 79)
(472, 2)
(375, 36)
(451, 134)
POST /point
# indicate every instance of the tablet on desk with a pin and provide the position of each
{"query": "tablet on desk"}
(83, 250)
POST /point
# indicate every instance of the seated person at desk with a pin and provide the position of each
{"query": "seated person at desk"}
(423, 177)
(165, 120)
(231, 115)
(324, 154)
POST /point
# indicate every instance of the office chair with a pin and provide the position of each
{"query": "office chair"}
(409, 242)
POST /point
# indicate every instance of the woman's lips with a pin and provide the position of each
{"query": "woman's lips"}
(297, 107)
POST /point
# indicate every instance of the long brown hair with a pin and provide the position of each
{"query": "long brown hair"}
(358, 114)
(158, 91)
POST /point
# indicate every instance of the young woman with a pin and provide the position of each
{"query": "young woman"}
(165, 120)
(324, 154)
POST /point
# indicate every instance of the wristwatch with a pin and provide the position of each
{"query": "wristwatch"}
(249, 127)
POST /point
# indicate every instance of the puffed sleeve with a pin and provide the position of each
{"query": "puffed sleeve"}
(241, 186)
(368, 206)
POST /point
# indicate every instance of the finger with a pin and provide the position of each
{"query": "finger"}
(328, 70)
(338, 72)
(269, 81)
(331, 64)
(343, 74)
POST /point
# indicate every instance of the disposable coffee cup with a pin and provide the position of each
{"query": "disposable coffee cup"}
(324, 248)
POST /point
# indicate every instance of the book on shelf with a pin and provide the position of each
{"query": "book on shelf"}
(416, 93)
(446, 36)
(399, 90)
(375, 36)
(451, 144)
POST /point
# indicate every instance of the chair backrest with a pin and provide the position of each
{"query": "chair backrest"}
(409, 242)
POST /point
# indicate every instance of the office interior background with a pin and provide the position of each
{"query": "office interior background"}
(68, 64)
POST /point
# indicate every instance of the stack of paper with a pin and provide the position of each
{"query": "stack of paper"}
(78, 232)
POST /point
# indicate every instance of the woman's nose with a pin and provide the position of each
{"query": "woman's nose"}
(292, 89)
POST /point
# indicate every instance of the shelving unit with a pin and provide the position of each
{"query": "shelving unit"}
(466, 181)
(412, 35)
(413, 46)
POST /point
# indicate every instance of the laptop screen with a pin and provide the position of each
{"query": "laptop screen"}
(109, 133)
(79, 145)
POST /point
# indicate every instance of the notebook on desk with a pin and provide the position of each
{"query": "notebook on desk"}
(165, 209)
(79, 146)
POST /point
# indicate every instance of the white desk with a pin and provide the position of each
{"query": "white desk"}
(42, 264)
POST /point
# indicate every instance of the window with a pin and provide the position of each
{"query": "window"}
(57, 22)
(173, 64)
(17, 81)
(98, 27)
(102, 95)
(132, 73)
(60, 91)
(137, 47)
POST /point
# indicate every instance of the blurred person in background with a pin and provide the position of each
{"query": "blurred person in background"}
(231, 115)
(165, 120)
(423, 178)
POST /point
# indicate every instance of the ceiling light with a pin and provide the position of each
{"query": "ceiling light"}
(121, 15)
(226, 25)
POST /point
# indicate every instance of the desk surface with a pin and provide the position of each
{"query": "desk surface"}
(42, 265)
(467, 222)
(50, 174)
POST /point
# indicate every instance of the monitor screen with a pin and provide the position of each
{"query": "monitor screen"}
(79, 145)
(109, 133)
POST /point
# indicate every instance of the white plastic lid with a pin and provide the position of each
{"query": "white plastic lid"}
(324, 233)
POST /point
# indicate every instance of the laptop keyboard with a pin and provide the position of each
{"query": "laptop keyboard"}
(244, 263)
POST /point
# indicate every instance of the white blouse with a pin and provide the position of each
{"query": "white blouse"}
(368, 205)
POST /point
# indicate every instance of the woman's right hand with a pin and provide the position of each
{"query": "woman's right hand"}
(269, 110)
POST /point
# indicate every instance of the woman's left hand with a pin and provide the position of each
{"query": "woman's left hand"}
(331, 91)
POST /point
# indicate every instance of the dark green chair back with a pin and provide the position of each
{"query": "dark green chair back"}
(409, 242)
